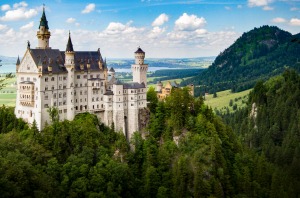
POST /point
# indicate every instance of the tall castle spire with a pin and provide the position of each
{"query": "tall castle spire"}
(43, 34)
(69, 45)
(43, 21)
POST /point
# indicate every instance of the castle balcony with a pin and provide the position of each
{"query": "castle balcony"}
(96, 87)
(96, 110)
(27, 103)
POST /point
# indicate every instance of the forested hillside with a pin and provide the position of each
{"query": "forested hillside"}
(270, 126)
(258, 54)
(186, 151)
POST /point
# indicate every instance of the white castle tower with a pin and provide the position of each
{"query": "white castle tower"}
(70, 66)
(139, 69)
(43, 34)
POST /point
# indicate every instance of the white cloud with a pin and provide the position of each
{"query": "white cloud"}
(89, 8)
(267, 8)
(3, 27)
(156, 32)
(239, 6)
(27, 27)
(201, 31)
(258, 3)
(77, 24)
(70, 20)
(294, 9)
(21, 4)
(116, 28)
(278, 20)
(294, 22)
(19, 14)
(189, 22)
(160, 20)
(227, 8)
(5, 7)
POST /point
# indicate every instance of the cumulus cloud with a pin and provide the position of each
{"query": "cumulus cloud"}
(294, 22)
(278, 20)
(189, 22)
(5, 7)
(89, 8)
(3, 27)
(156, 32)
(27, 27)
(160, 20)
(261, 3)
(19, 14)
(267, 8)
(258, 3)
(116, 28)
(70, 20)
(21, 4)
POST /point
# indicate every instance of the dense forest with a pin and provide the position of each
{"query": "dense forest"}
(186, 151)
(270, 126)
(257, 55)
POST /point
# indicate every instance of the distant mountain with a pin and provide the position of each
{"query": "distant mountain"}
(258, 54)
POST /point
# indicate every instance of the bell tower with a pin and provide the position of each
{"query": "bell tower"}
(43, 33)
(139, 69)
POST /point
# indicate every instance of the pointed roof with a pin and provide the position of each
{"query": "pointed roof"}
(44, 21)
(139, 50)
(112, 69)
(69, 45)
(18, 61)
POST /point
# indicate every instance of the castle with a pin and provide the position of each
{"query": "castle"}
(163, 91)
(75, 82)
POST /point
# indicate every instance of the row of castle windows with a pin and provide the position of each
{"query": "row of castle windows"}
(76, 85)
(60, 78)
(28, 112)
(86, 76)
(23, 96)
(60, 95)
(26, 87)
(28, 79)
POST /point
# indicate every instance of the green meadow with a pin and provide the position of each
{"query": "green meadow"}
(8, 93)
(222, 101)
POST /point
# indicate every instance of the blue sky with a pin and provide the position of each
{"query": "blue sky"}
(163, 28)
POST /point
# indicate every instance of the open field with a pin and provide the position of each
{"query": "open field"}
(8, 93)
(223, 100)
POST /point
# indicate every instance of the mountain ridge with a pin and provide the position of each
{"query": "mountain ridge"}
(258, 54)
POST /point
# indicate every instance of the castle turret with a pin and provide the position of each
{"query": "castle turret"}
(111, 72)
(159, 86)
(43, 34)
(139, 69)
(17, 64)
(70, 65)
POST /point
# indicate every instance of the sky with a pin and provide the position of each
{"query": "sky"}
(162, 28)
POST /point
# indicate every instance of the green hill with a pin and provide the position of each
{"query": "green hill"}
(258, 54)
(270, 126)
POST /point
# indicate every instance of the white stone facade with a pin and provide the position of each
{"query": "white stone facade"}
(77, 82)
